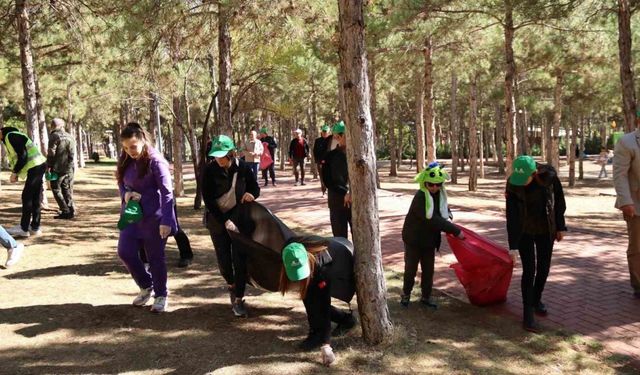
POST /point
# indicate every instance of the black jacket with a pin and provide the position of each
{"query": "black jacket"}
(335, 172)
(548, 196)
(422, 232)
(292, 146)
(19, 144)
(320, 148)
(271, 145)
(217, 181)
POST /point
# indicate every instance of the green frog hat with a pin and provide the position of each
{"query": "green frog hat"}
(434, 173)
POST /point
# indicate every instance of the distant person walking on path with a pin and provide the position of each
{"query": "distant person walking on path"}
(228, 182)
(335, 175)
(27, 163)
(535, 219)
(298, 152)
(252, 151)
(320, 148)
(626, 180)
(271, 146)
(143, 176)
(14, 249)
(428, 216)
(603, 160)
(310, 264)
(62, 150)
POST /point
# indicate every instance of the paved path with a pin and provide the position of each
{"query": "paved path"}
(587, 292)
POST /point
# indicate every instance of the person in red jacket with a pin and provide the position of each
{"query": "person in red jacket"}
(298, 152)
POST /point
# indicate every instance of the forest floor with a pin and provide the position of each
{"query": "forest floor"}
(66, 307)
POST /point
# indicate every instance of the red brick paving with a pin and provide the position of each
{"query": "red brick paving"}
(588, 287)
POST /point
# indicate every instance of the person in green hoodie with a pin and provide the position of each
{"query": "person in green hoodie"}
(428, 216)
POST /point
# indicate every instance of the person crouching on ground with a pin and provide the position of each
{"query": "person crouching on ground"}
(143, 175)
(535, 219)
(428, 216)
(228, 182)
(307, 263)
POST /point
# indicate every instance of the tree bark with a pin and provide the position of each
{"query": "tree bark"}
(545, 139)
(581, 154)
(453, 119)
(361, 157)
(27, 70)
(420, 146)
(499, 139)
(473, 136)
(224, 70)
(42, 121)
(191, 134)
(571, 152)
(176, 148)
(481, 147)
(429, 122)
(626, 65)
(393, 152)
(557, 118)
(509, 87)
(80, 144)
(313, 125)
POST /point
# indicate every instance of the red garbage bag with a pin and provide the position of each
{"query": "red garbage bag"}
(265, 159)
(484, 269)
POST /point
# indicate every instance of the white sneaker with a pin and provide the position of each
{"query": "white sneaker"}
(35, 232)
(18, 232)
(327, 355)
(143, 297)
(159, 305)
(14, 255)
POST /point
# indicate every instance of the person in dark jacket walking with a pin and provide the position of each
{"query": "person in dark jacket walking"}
(271, 145)
(336, 178)
(298, 152)
(27, 163)
(320, 148)
(535, 219)
(428, 216)
(227, 183)
(309, 263)
(60, 155)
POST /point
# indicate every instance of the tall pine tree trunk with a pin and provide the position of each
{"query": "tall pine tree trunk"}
(420, 162)
(27, 70)
(429, 121)
(499, 139)
(176, 148)
(455, 136)
(509, 87)
(581, 154)
(571, 152)
(224, 70)
(557, 118)
(473, 136)
(370, 281)
(80, 144)
(393, 152)
(42, 121)
(626, 65)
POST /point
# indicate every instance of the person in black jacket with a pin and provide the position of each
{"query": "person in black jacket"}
(335, 175)
(298, 152)
(308, 261)
(227, 183)
(60, 155)
(535, 219)
(271, 145)
(428, 216)
(320, 149)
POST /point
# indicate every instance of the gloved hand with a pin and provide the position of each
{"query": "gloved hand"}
(327, 355)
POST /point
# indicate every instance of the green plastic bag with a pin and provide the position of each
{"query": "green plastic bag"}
(132, 214)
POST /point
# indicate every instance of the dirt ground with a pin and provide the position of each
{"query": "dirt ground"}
(66, 307)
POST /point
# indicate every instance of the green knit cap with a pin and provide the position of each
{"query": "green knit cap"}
(434, 173)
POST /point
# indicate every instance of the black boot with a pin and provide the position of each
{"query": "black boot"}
(528, 321)
(540, 309)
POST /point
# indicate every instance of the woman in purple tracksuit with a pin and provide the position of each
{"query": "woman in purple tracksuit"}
(143, 175)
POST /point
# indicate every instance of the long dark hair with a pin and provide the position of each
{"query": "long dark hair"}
(133, 130)
(314, 245)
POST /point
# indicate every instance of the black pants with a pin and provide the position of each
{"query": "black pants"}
(272, 173)
(298, 162)
(412, 256)
(339, 215)
(535, 255)
(320, 313)
(31, 198)
(231, 262)
(62, 190)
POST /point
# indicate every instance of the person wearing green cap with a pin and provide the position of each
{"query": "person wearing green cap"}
(320, 149)
(146, 193)
(626, 180)
(270, 144)
(307, 262)
(27, 163)
(535, 209)
(228, 182)
(335, 175)
(428, 216)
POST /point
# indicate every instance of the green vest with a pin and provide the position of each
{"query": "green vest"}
(34, 157)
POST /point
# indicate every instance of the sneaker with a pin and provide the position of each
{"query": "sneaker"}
(184, 262)
(64, 216)
(429, 303)
(404, 300)
(541, 309)
(310, 343)
(328, 357)
(302, 183)
(35, 232)
(18, 232)
(344, 326)
(274, 183)
(239, 310)
(266, 183)
(295, 183)
(159, 304)
(143, 297)
(13, 255)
